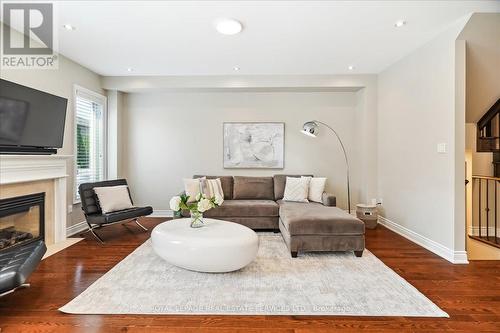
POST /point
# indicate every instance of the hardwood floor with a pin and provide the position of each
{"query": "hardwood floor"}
(470, 294)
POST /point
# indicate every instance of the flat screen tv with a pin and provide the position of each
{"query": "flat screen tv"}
(31, 121)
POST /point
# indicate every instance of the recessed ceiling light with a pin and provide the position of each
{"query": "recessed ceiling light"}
(351, 67)
(130, 69)
(228, 26)
(69, 27)
(236, 68)
(399, 23)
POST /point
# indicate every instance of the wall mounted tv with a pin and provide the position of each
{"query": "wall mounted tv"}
(31, 121)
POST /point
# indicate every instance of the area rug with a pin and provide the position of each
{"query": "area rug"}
(274, 284)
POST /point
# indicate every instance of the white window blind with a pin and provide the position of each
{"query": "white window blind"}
(90, 138)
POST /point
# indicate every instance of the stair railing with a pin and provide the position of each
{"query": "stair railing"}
(485, 205)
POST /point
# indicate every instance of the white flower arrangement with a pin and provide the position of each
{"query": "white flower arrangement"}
(175, 203)
(200, 205)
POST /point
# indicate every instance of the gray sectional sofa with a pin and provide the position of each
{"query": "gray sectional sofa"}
(256, 202)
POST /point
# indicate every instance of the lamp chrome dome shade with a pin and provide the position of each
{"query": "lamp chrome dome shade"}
(310, 128)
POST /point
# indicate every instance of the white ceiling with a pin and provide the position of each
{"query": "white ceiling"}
(279, 37)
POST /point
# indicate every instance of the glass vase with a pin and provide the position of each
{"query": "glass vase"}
(196, 220)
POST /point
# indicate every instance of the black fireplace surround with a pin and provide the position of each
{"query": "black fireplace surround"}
(11, 233)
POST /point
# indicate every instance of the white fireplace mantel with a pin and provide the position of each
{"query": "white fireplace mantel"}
(29, 168)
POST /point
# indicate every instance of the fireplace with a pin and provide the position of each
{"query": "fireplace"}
(22, 220)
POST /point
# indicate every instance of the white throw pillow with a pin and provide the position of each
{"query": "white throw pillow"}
(193, 187)
(113, 198)
(213, 188)
(308, 182)
(296, 189)
(316, 189)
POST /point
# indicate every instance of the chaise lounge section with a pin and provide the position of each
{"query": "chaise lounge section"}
(310, 227)
(257, 202)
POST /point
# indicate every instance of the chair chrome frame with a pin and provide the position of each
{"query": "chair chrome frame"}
(22, 286)
(93, 227)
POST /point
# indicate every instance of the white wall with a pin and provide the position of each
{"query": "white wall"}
(114, 124)
(416, 111)
(482, 34)
(169, 136)
(60, 82)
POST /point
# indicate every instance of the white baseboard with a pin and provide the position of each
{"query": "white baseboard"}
(460, 257)
(76, 228)
(162, 213)
(455, 257)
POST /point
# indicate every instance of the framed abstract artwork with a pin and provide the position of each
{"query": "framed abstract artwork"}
(254, 145)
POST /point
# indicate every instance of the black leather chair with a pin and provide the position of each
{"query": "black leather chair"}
(17, 264)
(94, 216)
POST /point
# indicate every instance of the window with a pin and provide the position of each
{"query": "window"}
(90, 152)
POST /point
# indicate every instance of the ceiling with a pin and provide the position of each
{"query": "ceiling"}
(278, 38)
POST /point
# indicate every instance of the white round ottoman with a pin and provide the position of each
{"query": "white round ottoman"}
(217, 247)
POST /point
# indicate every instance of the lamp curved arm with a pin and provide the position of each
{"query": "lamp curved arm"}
(346, 161)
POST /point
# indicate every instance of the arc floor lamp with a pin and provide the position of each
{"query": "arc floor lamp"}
(311, 128)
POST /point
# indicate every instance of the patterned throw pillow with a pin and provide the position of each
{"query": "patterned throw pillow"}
(296, 189)
(316, 188)
(213, 188)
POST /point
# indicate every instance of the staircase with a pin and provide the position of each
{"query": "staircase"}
(488, 135)
(486, 189)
